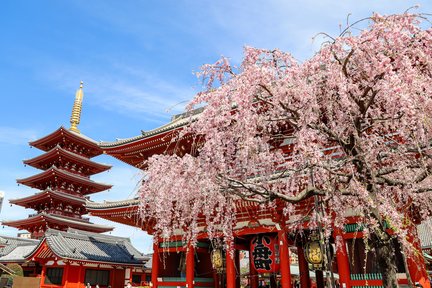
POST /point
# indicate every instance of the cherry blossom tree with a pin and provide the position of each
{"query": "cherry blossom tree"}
(356, 117)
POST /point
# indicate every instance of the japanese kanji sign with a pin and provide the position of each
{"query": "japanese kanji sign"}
(265, 253)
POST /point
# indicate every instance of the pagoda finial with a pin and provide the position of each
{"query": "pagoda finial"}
(76, 110)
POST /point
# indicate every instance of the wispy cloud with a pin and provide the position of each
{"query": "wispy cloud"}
(16, 136)
(124, 89)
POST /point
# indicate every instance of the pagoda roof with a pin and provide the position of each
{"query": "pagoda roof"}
(59, 152)
(47, 195)
(50, 219)
(47, 142)
(16, 249)
(89, 247)
(62, 174)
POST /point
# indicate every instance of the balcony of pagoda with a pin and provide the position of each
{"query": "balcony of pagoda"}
(68, 161)
(60, 180)
(48, 197)
(38, 223)
(68, 140)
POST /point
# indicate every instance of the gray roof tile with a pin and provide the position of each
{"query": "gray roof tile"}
(16, 249)
(87, 246)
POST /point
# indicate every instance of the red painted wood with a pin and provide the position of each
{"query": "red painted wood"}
(284, 260)
(415, 260)
(303, 267)
(190, 266)
(253, 275)
(230, 270)
(342, 258)
(155, 265)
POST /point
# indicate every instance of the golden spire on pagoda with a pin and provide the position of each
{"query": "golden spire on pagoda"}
(76, 110)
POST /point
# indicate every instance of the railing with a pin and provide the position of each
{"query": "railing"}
(168, 282)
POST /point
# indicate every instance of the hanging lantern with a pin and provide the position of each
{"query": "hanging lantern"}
(265, 253)
(314, 252)
(216, 257)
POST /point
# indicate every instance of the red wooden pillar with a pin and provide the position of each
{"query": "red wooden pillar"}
(80, 277)
(43, 275)
(284, 260)
(155, 265)
(230, 267)
(253, 275)
(237, 265)
(303, 267)
(415, 260)
(190, 266)
(66, 275)
(342, 258)
(215, 279)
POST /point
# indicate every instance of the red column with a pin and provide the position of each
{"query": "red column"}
(342, 258)
(303, 267)
(237, 265)
(190, 265)
(415, 260)
(66, 275)
(43, 274)
(215, 279)
(284, 260)
(230, 267)
(80, 276)
(155, 265)
(253, 275)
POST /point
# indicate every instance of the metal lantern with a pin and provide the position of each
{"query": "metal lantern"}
(217, 260)
(314, 252)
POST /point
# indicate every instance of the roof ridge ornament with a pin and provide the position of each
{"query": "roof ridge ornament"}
(76, 110)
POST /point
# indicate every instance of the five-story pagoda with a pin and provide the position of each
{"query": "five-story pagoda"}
(64, 182)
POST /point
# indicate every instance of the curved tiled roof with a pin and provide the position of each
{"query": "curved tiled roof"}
(424, 231)
(112, 204)
(63, 220)
(54, 171)
(177, 122)
(16, 249)
(58, 151)
(62, 131)
(48, 193)
(86, 246)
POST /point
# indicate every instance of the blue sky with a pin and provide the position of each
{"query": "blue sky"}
(136, 59)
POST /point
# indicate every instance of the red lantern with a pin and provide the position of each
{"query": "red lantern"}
(265, 253)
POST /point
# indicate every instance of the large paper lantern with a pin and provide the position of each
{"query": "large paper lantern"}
(265, 253)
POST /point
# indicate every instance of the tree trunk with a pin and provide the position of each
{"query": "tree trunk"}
(386, 257)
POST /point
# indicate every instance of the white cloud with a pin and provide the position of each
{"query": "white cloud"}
(16, 136)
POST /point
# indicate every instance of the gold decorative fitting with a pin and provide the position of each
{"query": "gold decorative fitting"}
(76, 109)
(314, 251)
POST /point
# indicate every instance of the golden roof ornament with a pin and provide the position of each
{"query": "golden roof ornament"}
(76, 110)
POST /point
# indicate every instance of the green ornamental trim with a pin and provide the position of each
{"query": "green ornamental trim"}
(180, 244)
(369, 276)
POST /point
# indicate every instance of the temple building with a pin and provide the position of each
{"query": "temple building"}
(64, 183)
(262, 234)
(66, 249)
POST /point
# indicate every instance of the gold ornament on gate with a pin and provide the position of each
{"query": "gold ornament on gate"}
(313, 251)
(217, 260)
